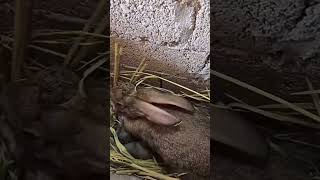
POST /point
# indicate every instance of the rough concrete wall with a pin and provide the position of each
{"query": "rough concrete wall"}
(267, 26)
(173, 34)
(279, 35)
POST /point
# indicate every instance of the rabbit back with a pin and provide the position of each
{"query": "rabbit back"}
(185, 146)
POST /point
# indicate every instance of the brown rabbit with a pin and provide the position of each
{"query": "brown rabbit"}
(169, 124)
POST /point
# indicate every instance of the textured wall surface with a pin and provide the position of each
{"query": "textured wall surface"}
(285, 25)
(173, 34)
(267, 42)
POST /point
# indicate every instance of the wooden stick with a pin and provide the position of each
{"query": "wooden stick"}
(116, 67)
(22, 35)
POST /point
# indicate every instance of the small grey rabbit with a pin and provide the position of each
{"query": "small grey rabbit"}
(169, 124)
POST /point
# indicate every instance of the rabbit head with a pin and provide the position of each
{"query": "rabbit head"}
(140, 103)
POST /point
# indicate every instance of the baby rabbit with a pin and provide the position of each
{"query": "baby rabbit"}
(169, 124)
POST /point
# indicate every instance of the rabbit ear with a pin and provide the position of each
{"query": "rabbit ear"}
(155, 114)
(155, 96)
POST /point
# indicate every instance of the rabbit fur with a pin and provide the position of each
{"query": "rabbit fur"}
(169, 124)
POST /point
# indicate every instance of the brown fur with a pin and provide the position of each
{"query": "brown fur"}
(185, 146)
